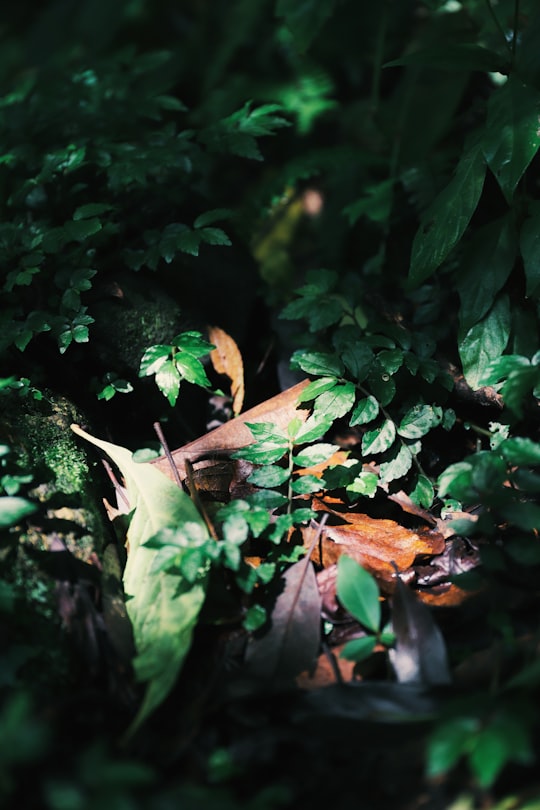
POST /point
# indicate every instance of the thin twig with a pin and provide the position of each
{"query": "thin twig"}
(194, 493)
(168, 454)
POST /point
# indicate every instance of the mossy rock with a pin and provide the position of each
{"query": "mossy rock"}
(66, 478)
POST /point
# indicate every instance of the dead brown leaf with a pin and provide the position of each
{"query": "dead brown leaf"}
(375, 544)
(235, 434)
(227, 359)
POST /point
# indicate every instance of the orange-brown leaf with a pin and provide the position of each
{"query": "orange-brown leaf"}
(226, 359)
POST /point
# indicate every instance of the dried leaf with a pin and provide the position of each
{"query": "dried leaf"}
(292, 643)
(226, 359)
(375, 544)
(234, 435)
(419, 654)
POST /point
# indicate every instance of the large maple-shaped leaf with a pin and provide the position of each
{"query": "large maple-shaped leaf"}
(163, 607)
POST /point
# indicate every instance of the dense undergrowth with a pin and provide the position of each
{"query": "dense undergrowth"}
(340, 601)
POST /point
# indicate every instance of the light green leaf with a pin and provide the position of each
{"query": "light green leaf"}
(365, 411)
(446, 219)
(398, 466)
(306, 484)
(13, 508)
(163, 608)
(520, 451)
(168, 381)
(317, 387)
(364, 484)
(317, 363)
(214, 236)
(485, 341)
(512, 134)
(315, 454)
(335, 403)
(358, 593)
(423, 493)
(269, 476)
(153, 359)
(190, 368)
(419, 420)
(380, 439)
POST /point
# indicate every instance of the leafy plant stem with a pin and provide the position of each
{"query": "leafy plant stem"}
(387, 416)
(290, 468)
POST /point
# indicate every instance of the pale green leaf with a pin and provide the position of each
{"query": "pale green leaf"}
(379, 439)
(163, 608)
(364, 411)
(419, 420)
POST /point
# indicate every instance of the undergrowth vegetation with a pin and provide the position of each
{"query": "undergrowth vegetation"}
(334, 209)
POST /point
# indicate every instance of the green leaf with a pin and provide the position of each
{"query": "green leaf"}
(335, 403)
(512, 134)
(153, 359)
(529, 243)
(317, 363)
(448, 743)
(364, 484)
(380, 439)
(520, 451)
(269, 476)
(306, 484)
(485, 341)
(168, 381)
(212, 216)
(445, 221)
(317, 387)
(193, 343)
(315, 454)
(398, 466)
(163, 608)
(359, 648)
(358, 593)
(358, 359)
(191, 369)
(485, 268)
(376, 205)
(364, 411)
(13, 509)
(423, 493)
(188, 241)
(91, 210)
(79, 230)
(456, 480)
(419, 420)
(214, 236)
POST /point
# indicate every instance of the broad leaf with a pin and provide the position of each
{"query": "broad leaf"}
(163, 608)
(529, 243)
(419, 420)
(486, 266)
(292, 642)
(364, 411)
(379, 439)
(446, 219)
(512, 134)
(13, 509)
(358, 592)
(485, 341)
(419, 655)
